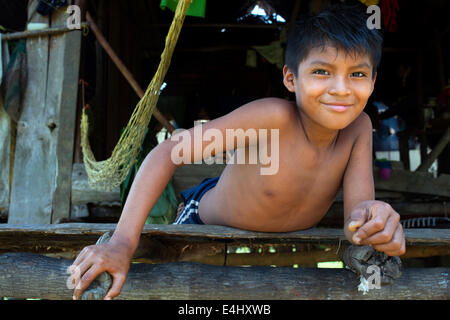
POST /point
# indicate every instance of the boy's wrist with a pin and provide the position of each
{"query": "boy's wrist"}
(124, 243)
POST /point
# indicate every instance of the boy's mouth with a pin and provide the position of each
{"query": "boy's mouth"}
(337, 106)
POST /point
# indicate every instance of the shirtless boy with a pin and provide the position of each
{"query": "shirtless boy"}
(325, 142)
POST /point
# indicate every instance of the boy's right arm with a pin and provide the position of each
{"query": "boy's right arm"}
(153, 175)
(115, 255)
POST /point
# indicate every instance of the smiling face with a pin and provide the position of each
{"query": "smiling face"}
(331, 87)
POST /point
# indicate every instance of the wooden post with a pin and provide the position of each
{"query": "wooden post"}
(5, 139)
(26, 275)
(43, 159)
(62, 92)
(32, 189)
(434, 154)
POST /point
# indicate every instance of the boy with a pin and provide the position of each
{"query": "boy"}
(324, 141)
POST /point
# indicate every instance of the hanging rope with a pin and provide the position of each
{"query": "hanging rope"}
(108, 174)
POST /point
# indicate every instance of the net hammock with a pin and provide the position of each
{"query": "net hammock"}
(108, 174)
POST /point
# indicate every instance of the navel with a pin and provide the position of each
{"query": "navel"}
(268, 193)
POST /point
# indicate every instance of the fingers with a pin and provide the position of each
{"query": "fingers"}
(358, 218)
(81, 256)
(86, 279)
(77, 271)
(382, 230)
(116, 287)
(78, 267)
(378, 215)
(93, 261)
(84, 270)
(397, 246)
(386, 234)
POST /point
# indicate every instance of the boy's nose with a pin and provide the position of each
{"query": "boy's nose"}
(339, 87)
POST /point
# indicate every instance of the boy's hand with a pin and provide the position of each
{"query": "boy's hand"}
(375, 223)
(93, 260)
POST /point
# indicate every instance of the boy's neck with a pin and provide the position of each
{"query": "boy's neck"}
(317, 136)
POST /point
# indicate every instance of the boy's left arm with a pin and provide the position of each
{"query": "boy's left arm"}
(368, 221)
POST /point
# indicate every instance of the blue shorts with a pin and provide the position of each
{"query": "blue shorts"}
(191, 198)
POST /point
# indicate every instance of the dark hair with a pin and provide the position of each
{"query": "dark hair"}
(341, 26)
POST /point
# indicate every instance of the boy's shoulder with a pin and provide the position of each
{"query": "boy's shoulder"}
(276, 104)
(280, 109)
(266, 113)
(361, 125)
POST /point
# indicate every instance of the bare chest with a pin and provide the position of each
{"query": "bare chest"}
(305, 175)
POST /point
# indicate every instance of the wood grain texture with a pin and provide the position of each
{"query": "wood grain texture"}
(215, 245)
(5, 141)
(211, 232)
(62, 91)
(33, 183)
(25, 275)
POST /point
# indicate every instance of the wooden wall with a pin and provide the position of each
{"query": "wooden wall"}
(41, 181)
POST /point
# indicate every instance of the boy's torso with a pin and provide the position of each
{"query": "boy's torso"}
(295, 198)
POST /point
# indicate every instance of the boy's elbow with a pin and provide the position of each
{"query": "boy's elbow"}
(165, 150)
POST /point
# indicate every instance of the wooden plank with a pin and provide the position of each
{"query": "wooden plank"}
(38, 33)
(5, 138)
(33, 188)
(184, 178)
(25, 275)
(201, 233)
(41, 193)
(114, 79)
(414, 182)
(434, 154)
(214, 245)
(62, 92)
(82, 193)
(304, 255)
(5, 141)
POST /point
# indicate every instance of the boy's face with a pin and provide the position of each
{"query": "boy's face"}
(331, 87)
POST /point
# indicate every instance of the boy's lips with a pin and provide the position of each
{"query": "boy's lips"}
(337, 106)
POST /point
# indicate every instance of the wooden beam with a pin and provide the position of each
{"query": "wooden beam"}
(38, 33)
(83, 194)
(62, 93)
(193, 232)
(75, 236)
(124, 71)
(35, 155)
(5, 138)
(211, 248)
(41, 192)
(434, 154)
(25, 275)
(414, 182)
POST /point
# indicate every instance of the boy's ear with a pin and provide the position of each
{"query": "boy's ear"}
(288, 79)
(374, 78)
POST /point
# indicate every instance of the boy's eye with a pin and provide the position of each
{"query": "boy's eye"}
(321, 72)
(358, 74)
